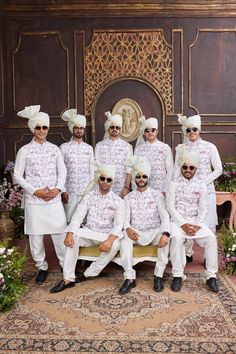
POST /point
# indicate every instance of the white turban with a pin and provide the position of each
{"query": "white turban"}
(191, 122)
(112, 119)
(105, 170)
(74, 119)
(145, 123)
(34, 116)
(138, 165)
(190, 158)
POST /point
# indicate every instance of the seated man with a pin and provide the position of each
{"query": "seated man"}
(187, 203)
(146, 222)
(105, 218)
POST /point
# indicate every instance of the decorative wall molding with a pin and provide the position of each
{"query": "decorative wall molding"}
(212, 80)
(119, 8)
(27, 87)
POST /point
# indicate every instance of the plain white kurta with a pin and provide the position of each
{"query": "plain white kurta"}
(115, 152)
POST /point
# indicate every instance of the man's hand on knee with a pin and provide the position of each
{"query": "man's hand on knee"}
(69, 240)
(164, 240)
(106, 245)
(132, 234)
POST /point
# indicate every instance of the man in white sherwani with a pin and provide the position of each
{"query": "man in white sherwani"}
(114, 150)
(79, 160)
(210, 167)
(105, 212)
(41, 172)
(187, 202)
(158, 154)
(146, 222)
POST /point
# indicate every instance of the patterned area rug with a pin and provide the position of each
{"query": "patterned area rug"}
(92, 317)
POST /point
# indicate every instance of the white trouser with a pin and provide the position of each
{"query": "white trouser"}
(71, 206)
(96, 267)
(210, 221)
(126, 252)
(37, 249)
(178, 255)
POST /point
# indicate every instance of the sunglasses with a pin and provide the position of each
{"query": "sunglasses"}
(141, 176)
(191, 168)
(103, 179)
(113, 127)
(189, 130)
(152, 130)
(44, 127)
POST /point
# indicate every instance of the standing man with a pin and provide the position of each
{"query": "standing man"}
(105, 212)
(158, 154)
(146, 222)
(79, 160)
(41, 172)
(187, 202)
(114, 150)
(210, 167)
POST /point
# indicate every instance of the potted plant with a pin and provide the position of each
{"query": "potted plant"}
(11, 284)
(227, 244)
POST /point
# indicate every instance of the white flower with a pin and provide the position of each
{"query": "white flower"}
(2, 250)
(10, 250)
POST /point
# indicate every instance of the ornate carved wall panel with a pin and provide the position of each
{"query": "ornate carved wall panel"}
(139, 54)
(212, 72)
(41, 72)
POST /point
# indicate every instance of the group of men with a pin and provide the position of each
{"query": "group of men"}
(83, 200)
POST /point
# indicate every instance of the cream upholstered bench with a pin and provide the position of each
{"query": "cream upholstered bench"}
(140, 254)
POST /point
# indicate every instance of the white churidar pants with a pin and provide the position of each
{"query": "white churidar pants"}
(97, 266)
(126, 252)
(211, 221)
(178, 254)
(71, 206)
(38, 250)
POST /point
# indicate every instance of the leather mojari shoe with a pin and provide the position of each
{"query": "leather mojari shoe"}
(176, 284)
(189, 259)
(62, 286)
(41, 276)
(212, 285)
(79, 277)
(158, 284)
(127, 286)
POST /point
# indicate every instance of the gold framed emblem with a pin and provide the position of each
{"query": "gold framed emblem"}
(130, 111)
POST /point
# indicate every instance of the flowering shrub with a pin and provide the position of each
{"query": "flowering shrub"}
(10, 199)
(10, 194)
(11, 285)
(227, 181)
(227, 243)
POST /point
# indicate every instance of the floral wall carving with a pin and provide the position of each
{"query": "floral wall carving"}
(113, 55)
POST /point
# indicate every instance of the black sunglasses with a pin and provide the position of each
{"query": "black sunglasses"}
(152, 130)
(103, 179)
(191, 168)
(44, 127)
(113, 127)
(141, 176)
(189, 130)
